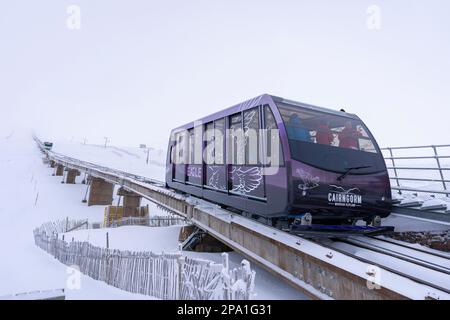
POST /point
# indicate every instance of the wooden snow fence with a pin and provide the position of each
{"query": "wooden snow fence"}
(62, 226)
(154, 221)
(165, 276)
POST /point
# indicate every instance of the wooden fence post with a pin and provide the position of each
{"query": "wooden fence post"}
(181, 261)
(226, 283)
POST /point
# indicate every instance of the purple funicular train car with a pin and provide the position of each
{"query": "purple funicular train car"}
(304, 160)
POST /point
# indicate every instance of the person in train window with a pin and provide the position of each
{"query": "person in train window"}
(296, 130)
(348, 137)
(324, 134)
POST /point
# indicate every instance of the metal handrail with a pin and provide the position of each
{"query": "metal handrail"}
(420, 190)
(439, 168)
(417, 147)
(418, 168)
(415, 158)
(423, 180)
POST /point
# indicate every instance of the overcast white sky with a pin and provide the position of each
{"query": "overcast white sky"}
(137, 68)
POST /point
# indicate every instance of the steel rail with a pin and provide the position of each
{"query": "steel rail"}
(396, 254)
(409, 246)
(384, 267)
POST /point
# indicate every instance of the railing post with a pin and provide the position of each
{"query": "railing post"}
(436, 155)
(395, 169)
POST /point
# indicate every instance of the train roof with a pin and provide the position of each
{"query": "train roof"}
(263, 99)
(313, 108)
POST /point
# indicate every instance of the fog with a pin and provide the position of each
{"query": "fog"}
(133, 70)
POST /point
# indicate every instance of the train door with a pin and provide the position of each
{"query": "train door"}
(243, 149)
(194, 168)
(214, 169)
(180, 155)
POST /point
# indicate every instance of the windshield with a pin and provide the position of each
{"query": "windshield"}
(330, 141)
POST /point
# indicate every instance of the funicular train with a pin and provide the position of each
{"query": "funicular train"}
(279, 161)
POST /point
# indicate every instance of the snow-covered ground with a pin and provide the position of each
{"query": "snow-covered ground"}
(137, 238)
(29, 197)
(131, 160)
(33, 196)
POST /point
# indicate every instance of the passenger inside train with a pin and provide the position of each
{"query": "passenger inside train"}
(296, 130)
(348, 137)
(324, 135)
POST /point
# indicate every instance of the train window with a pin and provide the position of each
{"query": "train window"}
(196, 145)
(219, 138)
(174, 149)
(365, 143)
(270, 125)
(210, 144)
(236, 141)
(214, 139)
(191, 146)
(329, 140)
(251, 132)
(180, 154)
(328, 129)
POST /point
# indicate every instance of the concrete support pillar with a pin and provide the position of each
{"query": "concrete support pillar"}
(203, 242)
(131, 203)
(72, 175)
(100, 192)
(210, 244)
(185, 232)
(59, 170)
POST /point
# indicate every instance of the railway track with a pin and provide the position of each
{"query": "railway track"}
(420, 265)
(419, 257)
(416, 247)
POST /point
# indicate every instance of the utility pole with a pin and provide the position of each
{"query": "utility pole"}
(106, 140)
(148, 154)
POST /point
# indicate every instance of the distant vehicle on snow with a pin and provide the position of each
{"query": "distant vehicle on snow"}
(48, 145)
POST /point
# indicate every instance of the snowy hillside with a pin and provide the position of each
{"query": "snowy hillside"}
(132, 160)
(33, 196)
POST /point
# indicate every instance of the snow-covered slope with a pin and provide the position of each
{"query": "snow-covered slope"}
(132, 160)
(32, 196)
